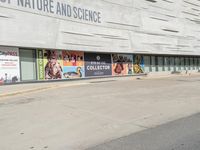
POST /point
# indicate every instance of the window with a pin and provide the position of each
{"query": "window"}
(177, 64)
(153, 65)
(160, 64)
(187, 63)
(27, 63)
(195, 64)
(172, 64)
(191, 63)
(147, 63)
(167, 63)
(156, 63)
(182, 61)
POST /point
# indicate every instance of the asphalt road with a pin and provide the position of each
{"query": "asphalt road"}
(183, 134)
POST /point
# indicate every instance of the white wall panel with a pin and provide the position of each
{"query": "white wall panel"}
(127, 26)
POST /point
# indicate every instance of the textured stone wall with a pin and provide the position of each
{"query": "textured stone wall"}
(126, 26)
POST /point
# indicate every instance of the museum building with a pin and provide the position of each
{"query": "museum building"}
(44, 40)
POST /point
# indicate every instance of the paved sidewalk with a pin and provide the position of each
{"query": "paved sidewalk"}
(12, 90)
(81, 114)
(17, 89)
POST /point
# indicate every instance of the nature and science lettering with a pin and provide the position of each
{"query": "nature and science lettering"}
(56, 7)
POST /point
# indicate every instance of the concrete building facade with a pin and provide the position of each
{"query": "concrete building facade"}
(145, 35)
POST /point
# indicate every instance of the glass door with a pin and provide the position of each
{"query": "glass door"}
(27, 63)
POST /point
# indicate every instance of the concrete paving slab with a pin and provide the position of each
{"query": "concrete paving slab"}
(78, 117)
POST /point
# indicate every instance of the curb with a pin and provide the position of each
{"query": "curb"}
(23, 91)
(9, 94)
(38, 89)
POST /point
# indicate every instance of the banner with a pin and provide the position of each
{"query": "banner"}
(122, 64)
(40, 65)
(9, 65)
(97, 64)
(55, 64)
(138, 64)
(49, 64)
(73, 64)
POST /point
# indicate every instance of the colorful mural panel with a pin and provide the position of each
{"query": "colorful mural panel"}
(138, 64)
(55, 64)
(122, 64)
(73, 64)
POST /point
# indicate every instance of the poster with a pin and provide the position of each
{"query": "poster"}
(9, 65)
(97, 64)
(122, 64)
(138, 64)
(49, 64)
(73, 64)
(40, 65)
(57, 64)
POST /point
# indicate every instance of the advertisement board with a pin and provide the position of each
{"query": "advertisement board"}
(9, 65)
(122, 64)
(49, 64)
(97, 64)
(138, 64)
(57, 64)
(73, 64)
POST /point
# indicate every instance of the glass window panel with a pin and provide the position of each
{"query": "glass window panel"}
(160, 64)
(198, 63)
(28, 67)
(187, 64)
(167, 63)
(156, 63)
(172, 64)
(147, 63)
(177, 64)
(191, 64)
(195, 64)
(182, 63)
(153, 65)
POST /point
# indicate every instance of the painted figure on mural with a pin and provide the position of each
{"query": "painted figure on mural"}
(73, 74)
(118, 60)
(53, 69)
(119, 68)
(137, 65)
(72, 58)
(73, 64)
(130, 71)
(122, 64)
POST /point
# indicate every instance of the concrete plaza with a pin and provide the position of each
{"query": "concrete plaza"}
(81, 114)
